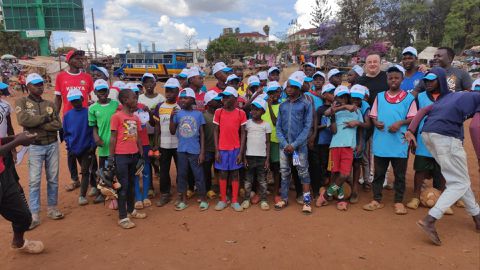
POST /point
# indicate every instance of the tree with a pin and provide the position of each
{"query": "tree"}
(462, 24)
(357, 16)
(266, 30)
(330, 35)
(12, 43)
(64, 50)
(321, 12)
(228, 47)
(190, 41)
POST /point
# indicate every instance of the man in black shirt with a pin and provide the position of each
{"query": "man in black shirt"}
(374, 79)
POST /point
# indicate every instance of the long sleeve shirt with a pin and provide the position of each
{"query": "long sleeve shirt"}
(294, 122)
(78, 134)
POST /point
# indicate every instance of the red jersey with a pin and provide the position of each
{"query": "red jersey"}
(67, 81)
(128, 128)
(229, 123)
(199, 101)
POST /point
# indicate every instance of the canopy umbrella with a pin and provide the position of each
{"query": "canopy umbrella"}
(345, 50)
(8, 57)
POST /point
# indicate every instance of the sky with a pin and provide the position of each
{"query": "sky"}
(121, 24)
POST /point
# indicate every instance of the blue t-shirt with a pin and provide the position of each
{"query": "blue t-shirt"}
(449, 112)
(423, 101)
(346, 137)
(409, 83)
(188, 130)
(317, 101)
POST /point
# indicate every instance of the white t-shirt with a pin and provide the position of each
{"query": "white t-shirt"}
(5, 110)
(167, 140)
(151, 103)
(256, 138)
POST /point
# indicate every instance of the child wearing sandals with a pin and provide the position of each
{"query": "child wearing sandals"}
(188, 124)
(257, 156)
(125, 148)
(391, 113)
(343, 124)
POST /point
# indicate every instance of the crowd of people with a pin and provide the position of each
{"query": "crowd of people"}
(328, 137)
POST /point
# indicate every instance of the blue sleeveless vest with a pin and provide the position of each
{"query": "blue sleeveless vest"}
(423, 101)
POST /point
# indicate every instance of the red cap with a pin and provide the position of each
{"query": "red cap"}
(69, 55)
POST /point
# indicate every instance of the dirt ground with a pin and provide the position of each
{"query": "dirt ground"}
(89, 238)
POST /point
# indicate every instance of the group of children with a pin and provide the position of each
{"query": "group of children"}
(313, 129)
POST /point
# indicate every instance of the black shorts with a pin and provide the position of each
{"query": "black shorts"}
(425, 164)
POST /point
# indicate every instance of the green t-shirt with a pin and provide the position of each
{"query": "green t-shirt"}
(99, 115)
(266, 117)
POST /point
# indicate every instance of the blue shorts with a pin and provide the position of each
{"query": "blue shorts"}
(228, 160)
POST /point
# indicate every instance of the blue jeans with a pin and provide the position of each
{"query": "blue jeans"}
(125, 171)
(184, 161)
(146, 177)
(286, 172)
(38, 154)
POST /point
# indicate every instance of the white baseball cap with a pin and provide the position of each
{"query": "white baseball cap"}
(184, 73)
(328, 88)
(358, 69)
(273, 86)
(100, 84)
(133, 87)
(101, 69)
(232, 77)
(334, 72)
(396, 67)
(262, 75)
(272, 69)
(220, 66)
(194, 71)
(172, 83)
(74, 94)
(260, 103)
(341, 90)
(253, 81)
(211, 95)
(148, 75)
(187, 92)
(358, 91)
(297, 79)
(119, 84)
(229, 91)
(310, 64)
(34, 78)
(476, 85)
(319, 73)
(410, 50)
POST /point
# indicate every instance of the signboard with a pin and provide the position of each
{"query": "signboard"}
(35, 33)
(49, 15)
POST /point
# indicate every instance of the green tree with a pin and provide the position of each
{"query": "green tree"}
(227, 47)
(321, 13)
(462, 25)
(357, 17)
(12, 43)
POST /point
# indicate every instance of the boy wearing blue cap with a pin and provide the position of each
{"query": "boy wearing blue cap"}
(391, 112)
(257, 154)
(78, 136)
(37, 115)
(293, 127)
(412, 75)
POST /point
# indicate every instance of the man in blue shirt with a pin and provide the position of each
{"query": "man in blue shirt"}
(412, 75)
(442, 134)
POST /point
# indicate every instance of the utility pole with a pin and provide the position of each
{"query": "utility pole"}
(63, 44)
(94, 36)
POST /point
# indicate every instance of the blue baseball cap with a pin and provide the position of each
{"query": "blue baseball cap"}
(100, 84)
(34, 78)
(3, 85)
(297, 79)
(430, 77)
(308, 79)
(74, 94)
(341, 90)
(476, 85)
(273, 86)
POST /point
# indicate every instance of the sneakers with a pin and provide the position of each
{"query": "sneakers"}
(82, 201)
(35, 222)
(299, 199)
(72, 186)
(332, 190)
(126, 223)
(31, 247)
(138, 205)
(220, 206)
(55, 214)
(137, 215)
(340, 193)
(237, 207)
(246, 204)
(164, 200)
(147, 203)
(264, 205)
(93, 192)
(307, 209)
(99, 199)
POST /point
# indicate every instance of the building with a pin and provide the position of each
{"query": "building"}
(1, 15)
(255, 37)
(301, 39)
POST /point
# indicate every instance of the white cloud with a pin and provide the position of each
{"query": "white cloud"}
(181, 8)
(305, 7)
(226, 22)
(258, 24)
(114, 10)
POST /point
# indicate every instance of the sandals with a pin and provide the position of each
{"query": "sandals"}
(31, 247)
(400, 209)
(211, 195)
(137, 215)
(413, 203)
(342, 206)
(372, 206)
(147, 203)
(138, 205)
(281, 205)
(307, 209)
(72, 186)
(190, 194)
(126, 223)
(433, 235)
(203, 206)
(181, 206)
(321, 201)
(264, 205)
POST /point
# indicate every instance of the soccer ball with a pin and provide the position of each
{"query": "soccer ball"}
(429, 196)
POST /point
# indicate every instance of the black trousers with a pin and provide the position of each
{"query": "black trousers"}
(399, 170)
(88, 164)
(314, 168)
(72, 166)
(166, 156)
(207, 169)
(13, 204)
